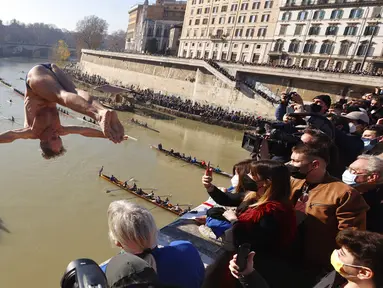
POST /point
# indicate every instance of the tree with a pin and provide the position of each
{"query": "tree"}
(151, 46)
(91, 32)
(61, 51)
(116, 41)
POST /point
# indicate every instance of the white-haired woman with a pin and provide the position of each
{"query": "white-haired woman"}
(132, 228)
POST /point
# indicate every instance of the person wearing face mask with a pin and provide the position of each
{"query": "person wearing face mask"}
(372, 138)
(376, 109)
(357, 263)
(366, 175)
(357, 121)
(324, 205)
(268, 224)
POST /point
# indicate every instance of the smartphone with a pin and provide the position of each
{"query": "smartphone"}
(208, 172)
(243, 253)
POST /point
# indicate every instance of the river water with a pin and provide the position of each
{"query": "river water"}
(54, 211)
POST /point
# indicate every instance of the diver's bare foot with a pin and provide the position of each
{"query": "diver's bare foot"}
(111, 126)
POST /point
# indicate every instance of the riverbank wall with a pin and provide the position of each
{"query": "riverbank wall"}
(187, 78)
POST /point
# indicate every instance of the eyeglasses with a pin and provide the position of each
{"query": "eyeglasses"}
(353, 171)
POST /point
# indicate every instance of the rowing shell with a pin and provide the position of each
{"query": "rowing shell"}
(167, 152)
(142, 125)
(121, 185)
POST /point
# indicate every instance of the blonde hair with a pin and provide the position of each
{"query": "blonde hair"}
(133, 227)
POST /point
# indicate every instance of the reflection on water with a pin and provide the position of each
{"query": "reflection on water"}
(56, 210)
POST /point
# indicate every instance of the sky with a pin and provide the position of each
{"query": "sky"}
(65, 13)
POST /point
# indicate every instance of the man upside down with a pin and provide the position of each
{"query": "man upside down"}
(46, 86)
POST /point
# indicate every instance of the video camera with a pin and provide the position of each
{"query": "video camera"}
(83, 273)
(282, 137)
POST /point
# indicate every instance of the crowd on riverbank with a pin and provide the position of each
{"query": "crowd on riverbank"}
(208, 113)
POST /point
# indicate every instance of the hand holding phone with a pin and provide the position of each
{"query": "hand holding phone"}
(243, 252)
(209, 171)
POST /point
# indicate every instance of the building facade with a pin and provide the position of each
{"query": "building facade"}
(236, 30)
(174, 39)
(329, 34)
(152, 21)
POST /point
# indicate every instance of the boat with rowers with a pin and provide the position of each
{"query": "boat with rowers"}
(190, 160)
(150, 197)
(145, 125)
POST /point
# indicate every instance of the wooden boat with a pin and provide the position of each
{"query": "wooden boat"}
(144, 196)
(198, 164)
(143, 125)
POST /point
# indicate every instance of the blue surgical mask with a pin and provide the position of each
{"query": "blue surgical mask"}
(369, 143)
(349, 178)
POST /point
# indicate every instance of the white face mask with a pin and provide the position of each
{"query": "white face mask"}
(352, 127)
(235, 180)
(349, 178)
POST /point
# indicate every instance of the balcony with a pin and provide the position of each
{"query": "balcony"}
(218, 38)
(318, 4)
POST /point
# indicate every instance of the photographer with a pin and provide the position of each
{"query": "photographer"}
(324, 206)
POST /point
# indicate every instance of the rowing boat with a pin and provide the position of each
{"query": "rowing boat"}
(143, 125)
(144, 196)
(198, 164)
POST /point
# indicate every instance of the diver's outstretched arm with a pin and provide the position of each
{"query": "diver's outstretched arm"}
(12, 135)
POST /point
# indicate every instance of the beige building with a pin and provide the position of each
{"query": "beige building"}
(237, 30)
(144, 17)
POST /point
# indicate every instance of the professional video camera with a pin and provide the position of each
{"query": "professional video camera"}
(83, 273)
(282, 137)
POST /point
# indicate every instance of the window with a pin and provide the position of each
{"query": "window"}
(268, 4)
(234, 7)
(204, 21)
(371, 30)
(233, 57)
(302, 15)
(318, 15)
(326, 47)
(253, 19)
(214, 55)
(332, 30)
(321, 64)
(150, 31)
(187, 34)
(212, 20)
(195, 33)
(336, 14)
(282, 31)
(224, 56)
(196, 22)
(215, 9)
(339, 65)
(230, 20)
(304, 63)
(193, 2)
(344, 48)
(314, 30)
(235, 45)
(377, 12)
(255, 58)
(307, 2)
(356, 13)
(184, 53)
(278, 46)
(207, 10)
(286, 16)
(238, 32)
(224, 8)
(247, 46)
(262, 32)
(290, 3)
(294, 46)
(309, 47)
(191, 12)
(219, 32)
(249, 33)
(200, 2)
(298, 29)
(190, 22)
(221, 20)
(206, 54)
(362, 49)
(186, 44)
(203, 31)
(198, 54)
(241, 19)
(256, 5)
(350, 30)
(265, 18)
(199, 10)
(244, 6)
(258, 47)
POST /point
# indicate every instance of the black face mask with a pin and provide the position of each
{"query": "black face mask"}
(315, 108)
(249, 184)
(296, 172)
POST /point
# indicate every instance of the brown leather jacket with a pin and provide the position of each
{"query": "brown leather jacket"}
(331, 206)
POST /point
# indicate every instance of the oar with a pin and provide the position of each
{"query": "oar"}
(130, 137)
(154, 189)
(184, 205)
(169, 195)
(108, 191)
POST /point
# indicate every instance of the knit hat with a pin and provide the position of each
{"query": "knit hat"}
(325, 98)
(128, 270)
